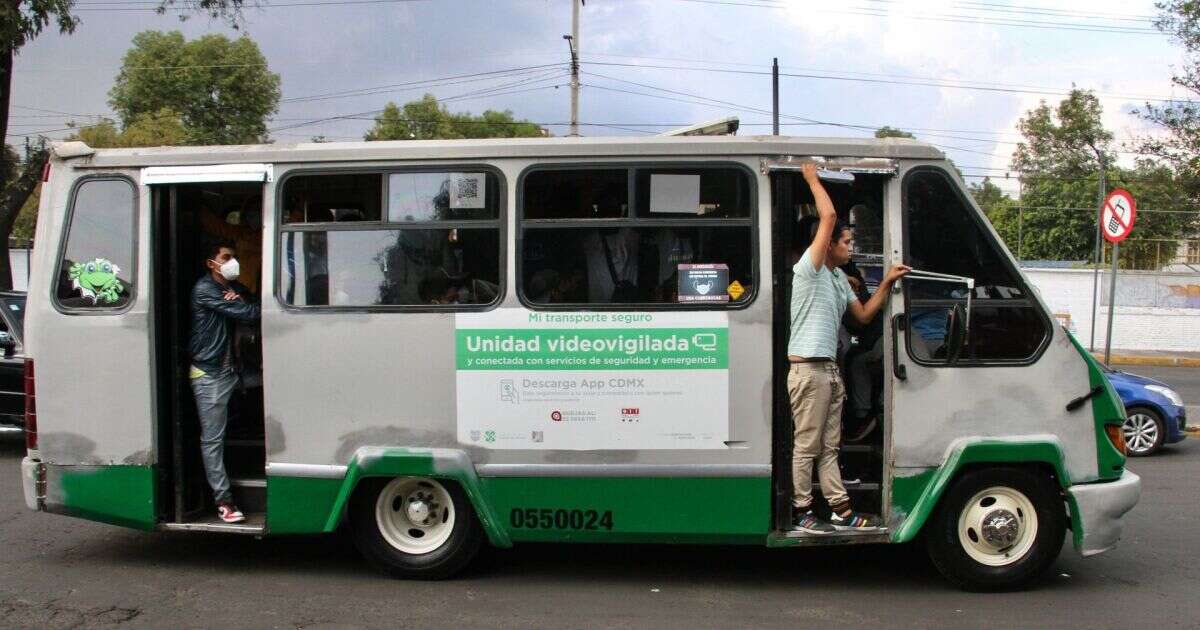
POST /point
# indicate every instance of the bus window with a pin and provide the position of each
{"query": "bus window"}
(576, 194)
(333, 198)
(943, 235)
(96, 268)
(439, 243)
(682, 216)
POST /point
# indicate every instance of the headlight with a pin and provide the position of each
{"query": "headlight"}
(1168, 392)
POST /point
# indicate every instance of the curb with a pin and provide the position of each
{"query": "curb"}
(1163, 361)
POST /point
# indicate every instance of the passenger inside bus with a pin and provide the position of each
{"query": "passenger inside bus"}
(823, 346)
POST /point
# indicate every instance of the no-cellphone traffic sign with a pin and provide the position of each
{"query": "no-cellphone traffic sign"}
(1116, 221)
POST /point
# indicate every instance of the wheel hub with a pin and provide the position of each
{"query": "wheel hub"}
(418, 511)
(1000, 528)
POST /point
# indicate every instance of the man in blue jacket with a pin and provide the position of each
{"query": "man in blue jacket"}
(217, 300)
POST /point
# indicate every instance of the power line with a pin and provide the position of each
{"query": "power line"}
(951, 18)
(829, 76)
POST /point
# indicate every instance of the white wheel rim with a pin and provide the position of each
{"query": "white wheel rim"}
(998, 526)
(414, 514)
(1141, 432)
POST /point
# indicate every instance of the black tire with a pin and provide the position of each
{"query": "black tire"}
(952, 560)
(1161, 431)
(466, 536)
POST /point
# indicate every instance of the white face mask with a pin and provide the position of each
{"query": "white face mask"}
(230, 269)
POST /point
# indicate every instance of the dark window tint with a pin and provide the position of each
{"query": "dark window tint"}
(683, 193)
(628, 264)
(943, 235)
(96, 270)
(16, 312)
(333, 198)
(379, 267)
(576, 194)
(432, 196)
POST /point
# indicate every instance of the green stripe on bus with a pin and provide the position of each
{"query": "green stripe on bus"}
(719, 510)
(121, 495)
(593, 349)
(300, 505)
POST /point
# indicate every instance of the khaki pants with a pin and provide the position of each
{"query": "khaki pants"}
(816, 393)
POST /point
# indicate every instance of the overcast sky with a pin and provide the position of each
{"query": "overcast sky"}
(883, 53)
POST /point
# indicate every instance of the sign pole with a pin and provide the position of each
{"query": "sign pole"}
(1112, 300)
(1116, 222)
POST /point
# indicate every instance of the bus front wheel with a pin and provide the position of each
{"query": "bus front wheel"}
(997, 529)
(414, 527)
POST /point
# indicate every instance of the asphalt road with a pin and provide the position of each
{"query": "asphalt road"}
(62, 572)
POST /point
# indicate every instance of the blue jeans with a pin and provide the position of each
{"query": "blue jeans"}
(212, 393)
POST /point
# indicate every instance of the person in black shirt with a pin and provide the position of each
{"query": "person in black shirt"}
(217, 300)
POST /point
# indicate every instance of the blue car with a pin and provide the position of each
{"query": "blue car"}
(1154, 412)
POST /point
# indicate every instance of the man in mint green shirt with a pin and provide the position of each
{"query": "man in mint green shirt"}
(820, 296)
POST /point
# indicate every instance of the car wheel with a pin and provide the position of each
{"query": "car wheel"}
(1144, 431)
(414, 527)
(997, 529)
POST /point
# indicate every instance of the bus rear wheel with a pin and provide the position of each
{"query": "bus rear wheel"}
(997, 529)
(414, 527)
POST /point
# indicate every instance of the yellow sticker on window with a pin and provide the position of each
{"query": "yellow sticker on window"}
(736, 290)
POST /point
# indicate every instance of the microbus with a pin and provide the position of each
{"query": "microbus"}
(489, 342)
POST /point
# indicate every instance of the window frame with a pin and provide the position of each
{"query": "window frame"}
(500, 223)
(986, 233)
(65, 235)
(633, 221)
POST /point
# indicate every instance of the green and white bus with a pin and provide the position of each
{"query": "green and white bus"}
(558, 340)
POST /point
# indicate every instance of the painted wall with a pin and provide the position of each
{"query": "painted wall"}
(1155, 310)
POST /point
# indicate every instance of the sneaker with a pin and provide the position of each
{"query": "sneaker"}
(854, 521)
(863, 432)
(229, 513)
(810, 523)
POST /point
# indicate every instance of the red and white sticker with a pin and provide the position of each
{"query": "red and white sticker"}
(1120, 210)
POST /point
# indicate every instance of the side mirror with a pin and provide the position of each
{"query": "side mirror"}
(956, 333)
(9, 345)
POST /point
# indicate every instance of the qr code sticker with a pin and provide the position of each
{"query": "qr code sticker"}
(469, 191)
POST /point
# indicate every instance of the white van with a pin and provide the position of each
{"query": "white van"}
(567, 339)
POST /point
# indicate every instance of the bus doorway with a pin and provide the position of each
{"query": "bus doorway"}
(189, 220)
(858, 198)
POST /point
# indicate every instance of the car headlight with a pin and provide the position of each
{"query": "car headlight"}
(1171, 394)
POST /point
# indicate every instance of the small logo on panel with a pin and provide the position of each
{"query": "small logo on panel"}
(489, 436)
(631, 414)
(539, 436)
(475, 435)
(556, 415)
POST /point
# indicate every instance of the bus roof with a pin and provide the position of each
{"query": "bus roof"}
(540, 148)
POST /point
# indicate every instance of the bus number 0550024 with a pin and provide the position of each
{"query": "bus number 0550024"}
(544, 518)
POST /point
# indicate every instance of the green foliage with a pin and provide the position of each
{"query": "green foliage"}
(891, 132)
(23, 20)
(1059, 162)
(426, 119)
(221, 88)
(153, 129)
(27, 217)
(1179, 146)
(228, 10)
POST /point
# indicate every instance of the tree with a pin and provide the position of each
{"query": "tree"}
(221, 88)
(20, 22)
(1059, 161)
(1180, 145)
(891, 132)
(426, 119)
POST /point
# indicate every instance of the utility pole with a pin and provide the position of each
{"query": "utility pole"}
(1098, 254)
(775, 96)
(573, 44)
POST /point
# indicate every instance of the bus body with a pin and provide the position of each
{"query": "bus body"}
(498, 341)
